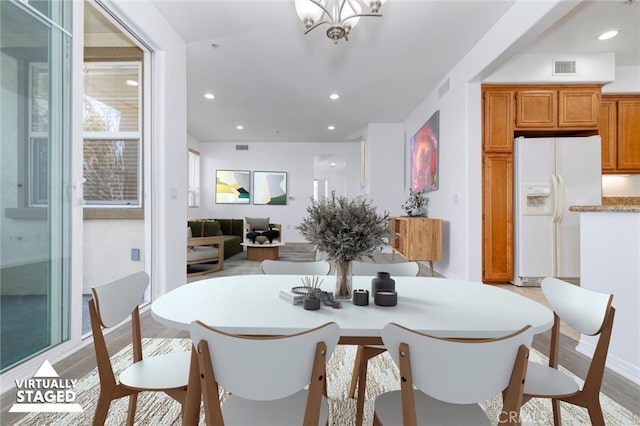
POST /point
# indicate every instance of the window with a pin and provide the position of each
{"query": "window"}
(194, 178)
(112, 117)
(38, 134)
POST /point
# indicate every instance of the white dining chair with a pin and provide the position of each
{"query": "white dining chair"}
(271, 381)
(404, 269)
(365, 352)
(284, 267)
(588, 312)
(111, 304)
(442, 381)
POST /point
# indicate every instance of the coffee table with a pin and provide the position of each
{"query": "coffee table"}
(266, 251)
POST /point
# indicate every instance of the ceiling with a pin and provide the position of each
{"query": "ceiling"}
(275, 81)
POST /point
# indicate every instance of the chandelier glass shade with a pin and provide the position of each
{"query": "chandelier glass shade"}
(341, 15)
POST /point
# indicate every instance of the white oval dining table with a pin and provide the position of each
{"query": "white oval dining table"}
(250, 304)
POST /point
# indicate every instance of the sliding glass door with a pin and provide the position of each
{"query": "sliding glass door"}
(35, 62)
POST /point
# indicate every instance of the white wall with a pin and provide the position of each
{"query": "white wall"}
(294, 158)
(458, 200)
(384, 166)
(627, 81)
(107, 253)
(621, 185)
(166, 201)
(537, 68)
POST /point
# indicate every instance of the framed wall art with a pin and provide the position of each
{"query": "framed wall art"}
(270, 188)
(233, 186)
(424, 156)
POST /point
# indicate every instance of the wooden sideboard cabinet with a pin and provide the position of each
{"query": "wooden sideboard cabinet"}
(417, 238)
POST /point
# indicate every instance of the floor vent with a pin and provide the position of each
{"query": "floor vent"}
(242, 147)
(564, 67)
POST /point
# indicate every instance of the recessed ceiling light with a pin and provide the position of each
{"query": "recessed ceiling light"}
(332, 127)
(609, 34)
(334, 96)
(132, 83)
(332, 164)
(209, 95)
(240, 127)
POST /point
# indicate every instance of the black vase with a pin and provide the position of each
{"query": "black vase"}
(382, 282)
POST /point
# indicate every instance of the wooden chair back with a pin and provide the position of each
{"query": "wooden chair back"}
(113, 303)
(582, 309)
(116, 300)
(263, 368)
(590, 313)
(284, 267)
(459, 371)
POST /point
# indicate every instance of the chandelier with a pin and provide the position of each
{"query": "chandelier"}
(341, 15)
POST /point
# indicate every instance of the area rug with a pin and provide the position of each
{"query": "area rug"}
(239, 265)
(158, 409)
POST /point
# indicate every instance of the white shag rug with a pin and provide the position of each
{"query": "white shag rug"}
(158, 409)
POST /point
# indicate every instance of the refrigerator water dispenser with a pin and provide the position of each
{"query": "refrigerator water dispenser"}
(537, 199)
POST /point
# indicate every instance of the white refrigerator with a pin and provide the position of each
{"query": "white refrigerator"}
(553, 174)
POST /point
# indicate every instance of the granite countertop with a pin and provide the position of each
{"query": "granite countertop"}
(624, 208)
(612, 204)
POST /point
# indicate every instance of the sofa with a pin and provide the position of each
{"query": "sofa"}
(231, 231)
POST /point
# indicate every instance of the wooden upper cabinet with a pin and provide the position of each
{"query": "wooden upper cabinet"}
(558, 108)
(536, 108)
(608, 133)
(497, 117)
(578, 107)
(629, 135)
(509, 110)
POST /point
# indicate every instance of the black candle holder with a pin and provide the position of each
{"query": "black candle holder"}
(386, 298)
(361, 297)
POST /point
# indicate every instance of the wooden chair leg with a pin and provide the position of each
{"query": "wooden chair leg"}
(356, 371)
(595, 413)
(362, 390)
(557, 419)
(102, 410)
(133, 402)
(368, 352)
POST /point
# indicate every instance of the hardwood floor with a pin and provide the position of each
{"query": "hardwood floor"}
(615, 386)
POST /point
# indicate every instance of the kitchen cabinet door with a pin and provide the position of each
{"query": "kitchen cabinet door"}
(497, 118)
(497, 218)
(608, 133)
(536, 108)
(578, 107)
(629, 135)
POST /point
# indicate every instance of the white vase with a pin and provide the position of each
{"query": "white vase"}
(417, 211)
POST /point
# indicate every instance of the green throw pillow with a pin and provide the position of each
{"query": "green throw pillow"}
(212, 229)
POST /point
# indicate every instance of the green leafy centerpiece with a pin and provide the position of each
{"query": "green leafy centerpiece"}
(345, 229)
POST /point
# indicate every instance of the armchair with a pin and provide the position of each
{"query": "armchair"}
(256, 227)
(204, 250)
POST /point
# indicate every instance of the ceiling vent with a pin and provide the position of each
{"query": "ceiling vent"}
(242, 147)
(564, 68)
(444, 88)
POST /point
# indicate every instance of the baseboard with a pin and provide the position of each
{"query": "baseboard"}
(614, 363)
